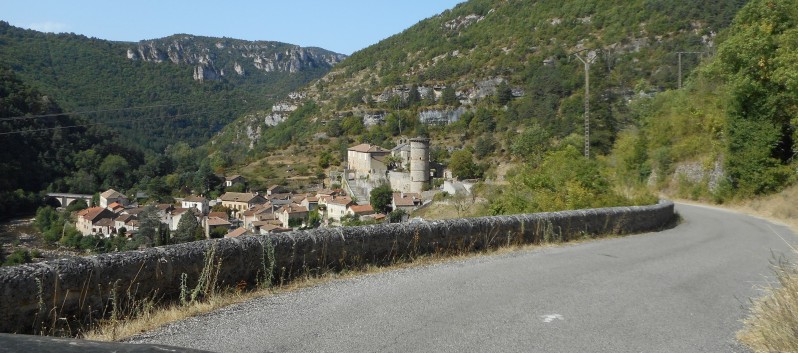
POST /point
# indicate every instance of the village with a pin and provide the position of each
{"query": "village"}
(405, 168)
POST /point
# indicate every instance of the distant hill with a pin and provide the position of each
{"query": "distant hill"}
(39, 151)
(494, 68)
(158, 92)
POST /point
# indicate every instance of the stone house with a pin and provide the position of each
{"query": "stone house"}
(241, 201)
(123, 220)
(367, 159)
(213, 223)
(115, 207)
(310, 202)
(257, 213)
(178, 213)
(110, 196)
(276, 189)
(293, 212)
(89, 221)
(198, 202)
(406, 201)
(279, 200)
(233, 180)
(104, 227)
(335, 206)
(360, 210)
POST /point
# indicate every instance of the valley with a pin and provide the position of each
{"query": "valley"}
(485, 109)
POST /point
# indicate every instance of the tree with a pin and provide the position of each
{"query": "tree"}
(324, 159)
(759, 63)
(397, 216)
(462, 165)
(413, 96)
(381, 198)
(484, 146)
(504, 94)
(186, 228)
(449, 96)
(218, 232)
(483, 121)
(18, 257)
(149, 222)
(334, 128)
(314, 219)
(204, 179)
(113, 170)
(461, 203)
(530, 144)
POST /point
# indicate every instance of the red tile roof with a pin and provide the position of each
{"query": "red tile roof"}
(407, 199)
(92, 214)
(237, 232)
(214, 221)
(362, 209)
(339, 200)
(220, 215)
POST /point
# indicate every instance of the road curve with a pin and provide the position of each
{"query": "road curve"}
(681, 290)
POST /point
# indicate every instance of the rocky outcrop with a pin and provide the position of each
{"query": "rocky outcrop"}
(214, 58)
(462, 22)
(441, 117)
(699, 173)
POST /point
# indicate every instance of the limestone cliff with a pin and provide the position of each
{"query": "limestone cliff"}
(215, 58)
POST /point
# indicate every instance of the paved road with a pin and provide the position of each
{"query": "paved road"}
(681, 290)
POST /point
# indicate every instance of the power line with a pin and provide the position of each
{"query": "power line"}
(85, 112)
(113, 122)
(591, 57)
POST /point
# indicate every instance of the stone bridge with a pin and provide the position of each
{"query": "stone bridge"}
(66, 199)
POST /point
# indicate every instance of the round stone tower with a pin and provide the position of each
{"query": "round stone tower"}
(419, 164)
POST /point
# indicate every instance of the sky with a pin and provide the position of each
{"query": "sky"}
(343, 26)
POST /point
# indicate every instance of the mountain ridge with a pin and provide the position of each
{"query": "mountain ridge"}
(520, 47)
(90, 74)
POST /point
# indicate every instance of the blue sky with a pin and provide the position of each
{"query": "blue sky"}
(342, 26)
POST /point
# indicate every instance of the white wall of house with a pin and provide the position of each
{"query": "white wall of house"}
(336, 211)
(200, 206)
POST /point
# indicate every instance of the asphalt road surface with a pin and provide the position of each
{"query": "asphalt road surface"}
(680, 290)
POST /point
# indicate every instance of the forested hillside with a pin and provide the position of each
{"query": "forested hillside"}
(39, 149)
(732, 131)
(152, 100)
(490, 54)
(498, 83)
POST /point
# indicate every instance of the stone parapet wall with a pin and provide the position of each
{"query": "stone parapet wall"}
(81, 289)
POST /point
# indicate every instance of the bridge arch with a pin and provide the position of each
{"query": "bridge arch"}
(65, 200)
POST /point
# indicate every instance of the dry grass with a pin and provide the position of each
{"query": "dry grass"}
(772, 325)
(781, 207)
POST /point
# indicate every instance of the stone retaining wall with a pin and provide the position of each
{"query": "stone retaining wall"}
(80, 289)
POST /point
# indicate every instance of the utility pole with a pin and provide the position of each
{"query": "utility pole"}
(589, 59)
(680, 63)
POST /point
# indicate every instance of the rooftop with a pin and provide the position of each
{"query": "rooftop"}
(111, 194)
(239, 196)
(406, 199)
(194, 198)
(215, 221)
(368, 148)
(362, 209)
(237, 232)
(91, 214)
